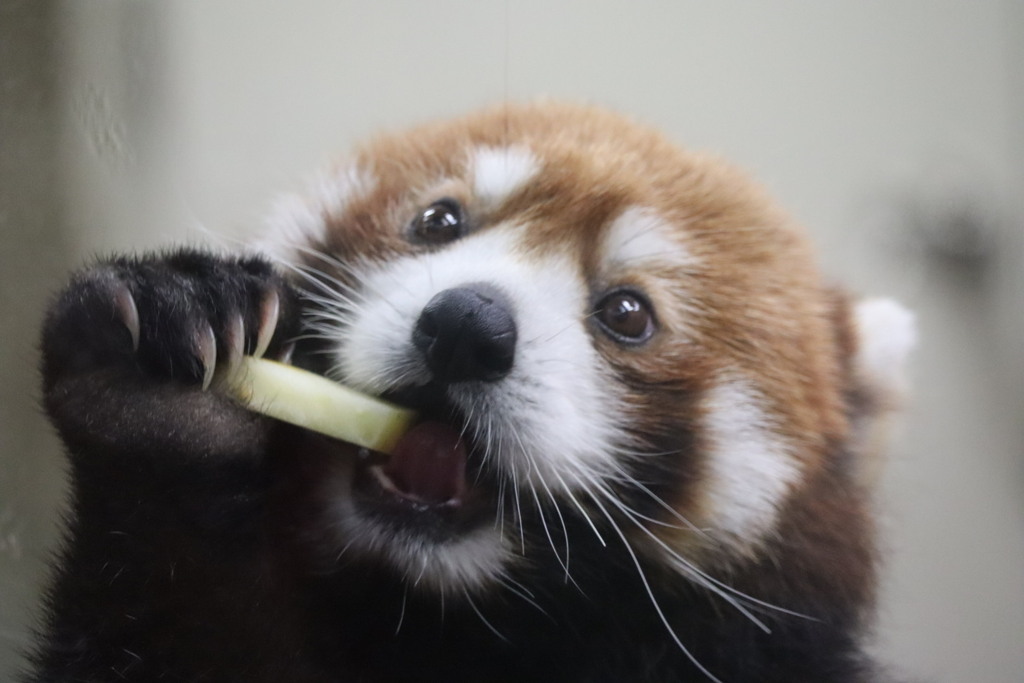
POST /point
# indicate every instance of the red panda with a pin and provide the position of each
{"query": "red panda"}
(645, 426)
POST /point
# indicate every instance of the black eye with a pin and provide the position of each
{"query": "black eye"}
(626, 317)
(440, 222)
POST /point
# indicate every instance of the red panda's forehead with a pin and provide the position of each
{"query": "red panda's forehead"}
(608, 193)
(554, 200)
(568, 172)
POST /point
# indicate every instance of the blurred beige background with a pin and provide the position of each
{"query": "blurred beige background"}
(893, 129)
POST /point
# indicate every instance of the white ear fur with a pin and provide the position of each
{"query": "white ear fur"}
(886, 333)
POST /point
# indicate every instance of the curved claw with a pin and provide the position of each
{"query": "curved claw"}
(128, 312)
(270, 309)
(206, 351)
(235, 342)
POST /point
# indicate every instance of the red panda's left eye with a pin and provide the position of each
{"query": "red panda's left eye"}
(440, 222)
(626, 317)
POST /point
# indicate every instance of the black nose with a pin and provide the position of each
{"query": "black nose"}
(467, 333)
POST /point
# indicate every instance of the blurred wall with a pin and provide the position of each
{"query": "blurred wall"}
(894, 130)
(33, 255)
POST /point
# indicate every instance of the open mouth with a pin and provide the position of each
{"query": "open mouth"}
(427, 479)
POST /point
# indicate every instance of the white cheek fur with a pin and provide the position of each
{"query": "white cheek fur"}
(751, 468)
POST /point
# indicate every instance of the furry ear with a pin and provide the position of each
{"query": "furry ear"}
(884, 334)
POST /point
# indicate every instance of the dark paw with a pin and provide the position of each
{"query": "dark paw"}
(187, 316)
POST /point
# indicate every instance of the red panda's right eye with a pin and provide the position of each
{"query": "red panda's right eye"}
(626, 317)
(440, 222)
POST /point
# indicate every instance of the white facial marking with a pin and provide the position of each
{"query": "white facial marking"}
(750, 467)
(639, 237)
(499, 171)
(552, 419)
(299, 220)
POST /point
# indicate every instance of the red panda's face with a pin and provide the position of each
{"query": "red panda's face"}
(611, 341)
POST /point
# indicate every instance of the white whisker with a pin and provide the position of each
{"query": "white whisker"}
(490, 627)
(579, 506)
(650, 593)
(716, 586)
(565, 532)
(520, 591)
(519, 511)
(547, 532)
(687, 524)
(401, 615)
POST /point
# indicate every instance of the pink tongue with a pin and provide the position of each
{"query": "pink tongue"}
(429, 463)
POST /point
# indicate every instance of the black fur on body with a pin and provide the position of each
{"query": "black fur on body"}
(193, 549)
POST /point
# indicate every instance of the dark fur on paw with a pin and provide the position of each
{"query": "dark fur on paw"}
(179, 316)
(132, 344)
